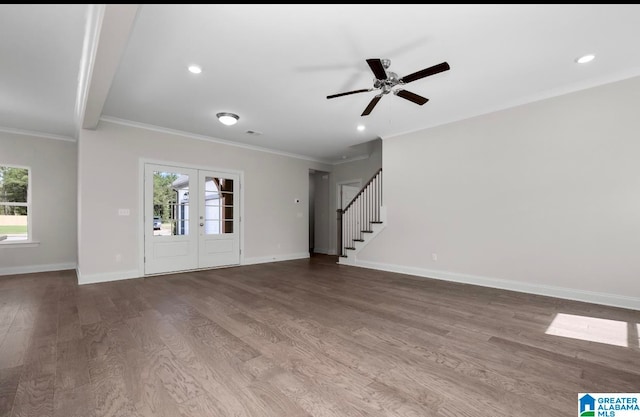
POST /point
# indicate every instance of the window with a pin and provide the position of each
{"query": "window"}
(14, 203)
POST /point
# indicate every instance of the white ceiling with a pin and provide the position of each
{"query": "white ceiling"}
(67, 66)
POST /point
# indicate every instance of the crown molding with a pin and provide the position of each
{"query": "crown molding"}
(160, 129)
(36, 134)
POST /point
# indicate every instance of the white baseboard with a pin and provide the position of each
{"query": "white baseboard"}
(613, 300)
(106, 277)
(28, 269)
(122, 275)
(275, 258)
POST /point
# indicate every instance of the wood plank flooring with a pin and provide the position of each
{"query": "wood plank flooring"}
(302, 338)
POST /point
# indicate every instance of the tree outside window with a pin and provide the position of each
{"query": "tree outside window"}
(14, 204)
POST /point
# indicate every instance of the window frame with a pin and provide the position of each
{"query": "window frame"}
(27, 204)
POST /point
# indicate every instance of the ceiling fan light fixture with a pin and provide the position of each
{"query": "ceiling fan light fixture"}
(228, 119)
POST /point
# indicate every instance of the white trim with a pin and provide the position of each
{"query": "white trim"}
(15, 166)
(140, 228)
(524, 287)
(106, 277)
(348, 182)
(36, 134)
(29, 239)
(352, 254)
(175, 164)
(355, 158)
(29, 269)
(95, 16)
(241, 220)
(533, 98)
(20, 243)
(184, 271)
(339, 185)
(160, 129)
(275, 258)
(141, 176)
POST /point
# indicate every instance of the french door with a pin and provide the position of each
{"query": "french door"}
(191, 219)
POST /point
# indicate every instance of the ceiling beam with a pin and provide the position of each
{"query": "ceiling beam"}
(107, 35)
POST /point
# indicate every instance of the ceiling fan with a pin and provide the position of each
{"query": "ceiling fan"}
(386, 80)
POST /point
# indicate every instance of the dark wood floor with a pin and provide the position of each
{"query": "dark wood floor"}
(301, 338)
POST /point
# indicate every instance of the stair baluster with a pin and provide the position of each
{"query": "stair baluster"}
(358, 216)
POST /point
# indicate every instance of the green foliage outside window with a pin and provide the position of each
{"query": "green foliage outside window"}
(164, 195)
(14, 184)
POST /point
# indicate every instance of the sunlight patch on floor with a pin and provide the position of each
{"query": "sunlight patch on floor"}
(611, 332)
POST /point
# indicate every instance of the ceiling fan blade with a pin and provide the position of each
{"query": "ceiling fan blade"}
(371, 105)
(378, 69)
(425, 72)
(364, 90)
(408, 95)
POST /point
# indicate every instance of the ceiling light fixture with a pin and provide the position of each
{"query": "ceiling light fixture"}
(360, 128)
(195, 69)
(228, 119)
(586, 58)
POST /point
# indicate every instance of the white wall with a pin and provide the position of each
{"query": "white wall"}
(312, 209)
(322, 212)
(53, 204)
(361, 169)
(542, 198)
(274, 226)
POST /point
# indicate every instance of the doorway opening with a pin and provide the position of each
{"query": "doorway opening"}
(191, 219)
(319, 212)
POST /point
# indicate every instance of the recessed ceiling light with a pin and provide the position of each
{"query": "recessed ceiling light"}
(228, 118)
(360, 128)
(586, 58)
(195, 69)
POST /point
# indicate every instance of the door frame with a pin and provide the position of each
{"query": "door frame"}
(355, 183)
(334, 222)
(141, 190)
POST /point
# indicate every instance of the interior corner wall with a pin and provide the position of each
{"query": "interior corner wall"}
(53, 203)
(361, 169)
(274, 227)
(322, 213)
(541, 198)
(312, 210)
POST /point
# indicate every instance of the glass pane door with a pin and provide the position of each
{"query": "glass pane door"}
(218, 204)
(170, 203)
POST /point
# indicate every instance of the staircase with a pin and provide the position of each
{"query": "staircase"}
(361, 220)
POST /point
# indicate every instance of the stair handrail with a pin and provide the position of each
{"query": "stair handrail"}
(362, 190)
(347, 232)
